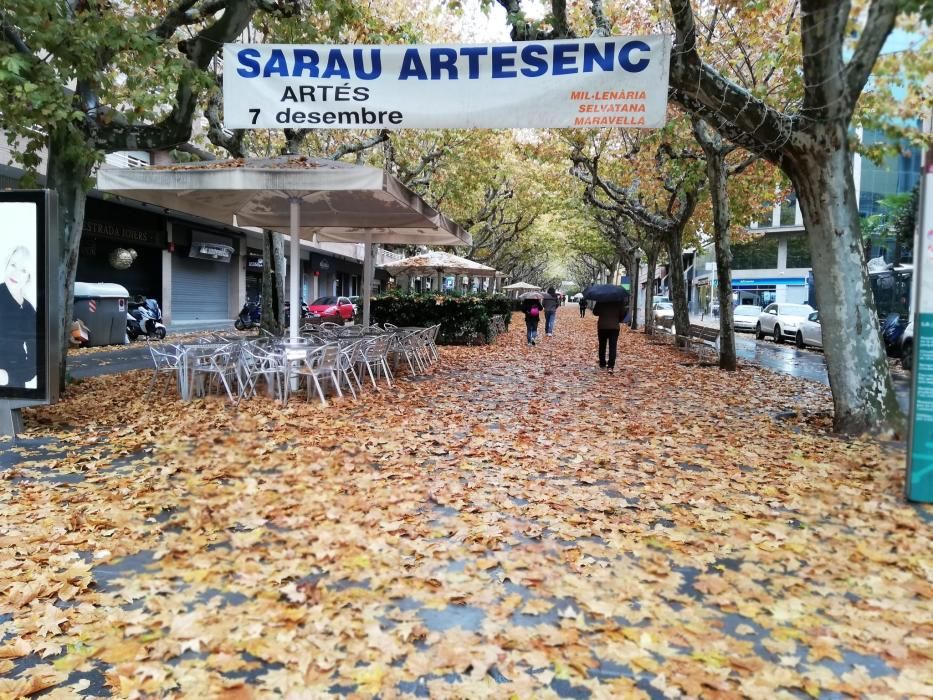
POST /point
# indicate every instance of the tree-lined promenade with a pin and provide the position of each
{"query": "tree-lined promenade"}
(516, 523)
(765, 98)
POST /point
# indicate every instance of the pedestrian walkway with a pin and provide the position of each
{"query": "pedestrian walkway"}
(517, 524)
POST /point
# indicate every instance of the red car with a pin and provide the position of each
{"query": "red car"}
(333, 309)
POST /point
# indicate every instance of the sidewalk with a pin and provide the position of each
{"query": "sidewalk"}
(512, 524)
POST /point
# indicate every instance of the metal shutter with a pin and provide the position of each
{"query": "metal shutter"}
(200, 289)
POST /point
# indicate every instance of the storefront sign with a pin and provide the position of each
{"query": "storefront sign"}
(595, 82)
(29, 299)
(769, 282)
(208, 247)
(253, 260)
(117, 232)
(919, 482)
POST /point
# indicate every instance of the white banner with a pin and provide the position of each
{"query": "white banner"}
(573, 83)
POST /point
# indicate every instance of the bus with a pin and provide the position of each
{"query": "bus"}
(891, 287)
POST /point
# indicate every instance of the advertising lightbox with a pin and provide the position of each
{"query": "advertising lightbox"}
(29, 299)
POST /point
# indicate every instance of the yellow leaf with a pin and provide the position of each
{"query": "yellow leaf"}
(369, 679)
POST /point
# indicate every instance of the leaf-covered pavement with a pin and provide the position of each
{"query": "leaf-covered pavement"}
(516, 524)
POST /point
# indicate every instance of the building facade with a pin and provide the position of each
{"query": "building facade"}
(775, 265)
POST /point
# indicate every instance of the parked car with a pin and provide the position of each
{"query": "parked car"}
(781, 321)
(663, 312)
(333, 309)
(745, 317)
(907, 346)
(810, 332)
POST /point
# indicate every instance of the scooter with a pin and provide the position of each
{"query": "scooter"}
(892, 329)
(249, 317)
(144, 318)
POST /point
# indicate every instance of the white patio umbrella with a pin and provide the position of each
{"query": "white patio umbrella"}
(438, 262)
(305, 197)
(520, 286)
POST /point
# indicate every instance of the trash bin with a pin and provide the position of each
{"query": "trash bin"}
(101, 306)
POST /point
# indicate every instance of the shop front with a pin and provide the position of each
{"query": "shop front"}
(122, 245)
(253, 274)
(767, 290)
(203, 274)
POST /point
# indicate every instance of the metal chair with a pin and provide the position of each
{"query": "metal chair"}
(260, 361)
(373, 355)
(430, 340)
(166, 359)
(321, 363)
(218, 367)
(407, 347)
(349, 354)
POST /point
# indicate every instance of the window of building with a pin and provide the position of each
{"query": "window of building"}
(759, 254)
(798, 252)
(897, 173)
(763, 218)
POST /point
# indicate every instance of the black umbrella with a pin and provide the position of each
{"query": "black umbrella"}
(606, 293)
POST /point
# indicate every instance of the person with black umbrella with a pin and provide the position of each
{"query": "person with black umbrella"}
(611, 307)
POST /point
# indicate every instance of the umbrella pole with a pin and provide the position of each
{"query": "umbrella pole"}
(294, 214)
(367, 277)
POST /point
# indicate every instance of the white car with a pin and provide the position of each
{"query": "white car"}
(663, 312)
(781, 321)
(809, 332)
(745, 317)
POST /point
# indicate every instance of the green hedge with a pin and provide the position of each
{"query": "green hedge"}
(463, 319)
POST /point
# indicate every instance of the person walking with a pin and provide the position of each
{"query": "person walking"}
(532, 309)
(582, 307)
(550, 303)
(610, 316)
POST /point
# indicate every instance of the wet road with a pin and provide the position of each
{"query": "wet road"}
(806, 364)
(109, 361)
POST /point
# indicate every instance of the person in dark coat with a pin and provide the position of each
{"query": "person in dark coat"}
(550, 304)
(17, 322)
(533, 310)
(610, 315)
(582, 307)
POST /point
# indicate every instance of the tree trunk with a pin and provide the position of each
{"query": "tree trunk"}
(863, 394)
(651, 263)
(632, 264)
(273, 283)
(722, 219)
(67, 176)
(675, 251)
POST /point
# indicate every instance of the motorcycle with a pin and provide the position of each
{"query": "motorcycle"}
(144, 318)
(249, 317)
(892, 331)
(306, 313)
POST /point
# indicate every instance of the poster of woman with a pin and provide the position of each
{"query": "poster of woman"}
(19, 329)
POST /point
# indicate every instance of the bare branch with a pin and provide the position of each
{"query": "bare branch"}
(878, 26)
(195, 151)
(14, 38)
(360, 147)
(740, 116)
(599, 18)
(822, 28)
(230, 141)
